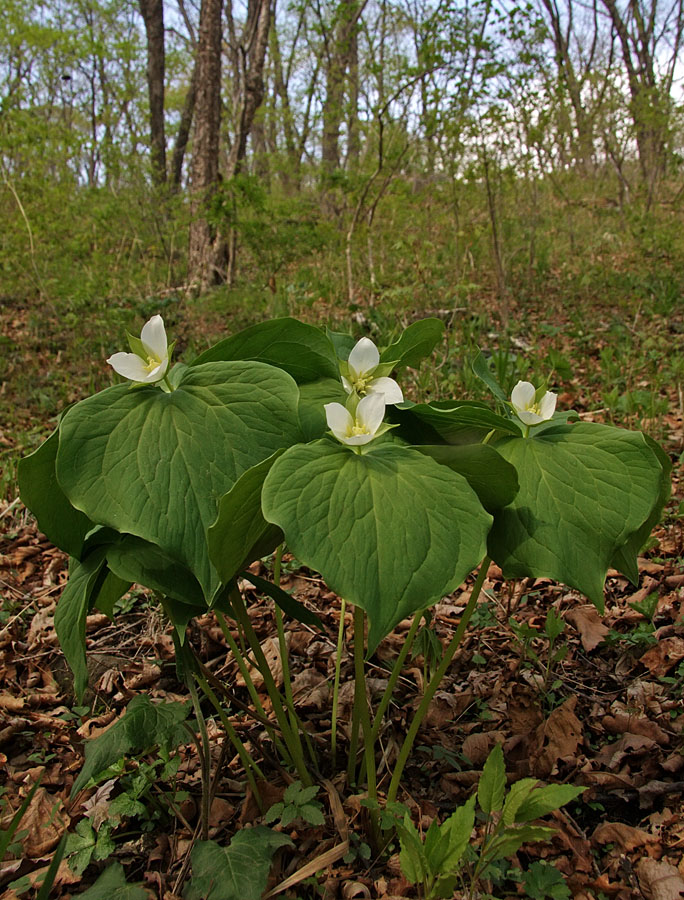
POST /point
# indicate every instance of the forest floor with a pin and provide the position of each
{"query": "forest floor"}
(605, 713)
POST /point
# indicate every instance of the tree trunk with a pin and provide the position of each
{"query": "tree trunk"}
(152, 12)
(183, 132)
(203, 266)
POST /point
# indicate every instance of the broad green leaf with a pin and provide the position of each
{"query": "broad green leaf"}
(512, 840)
(518, 793)
(625, 559)
(240, 533)
(110, 588)
(584, 492)
(480, 367)
(154, 464)
(71, 612)
(543, 880)
(494, 480)
(80, 846)
(412, 854)
(144, 563)
(449, 421)
(65, 526)
(312, 399)
(142, 725)
(301, 350)
(390, 530)
(444, 853)
(492, 785)
(289, 604)
(112, 885)
(544, 800)
(416, 342)
(238, 871)
(342, 342)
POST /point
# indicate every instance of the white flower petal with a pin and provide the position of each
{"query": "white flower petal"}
(130, 366)
(347, 385)
(339, 420)
(528, 417)
(357, 439)
(153, 336)
(522, 396)
(389, 389)
(363, 358)
(370, 412)
(547, 405)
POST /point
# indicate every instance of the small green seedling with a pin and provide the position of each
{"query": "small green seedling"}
(297, 803)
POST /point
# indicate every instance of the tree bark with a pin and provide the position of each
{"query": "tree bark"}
(152, 12)
(203, 266)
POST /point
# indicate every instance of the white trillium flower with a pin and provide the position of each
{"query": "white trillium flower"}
(363, 361)
(150, 362)
(527, 408)
(358, 429)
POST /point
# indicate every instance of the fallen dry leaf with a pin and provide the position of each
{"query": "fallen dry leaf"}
(45, 821)
(666, 653)
(559, 737)
(625, 836)
(588, 623)
(659, 880)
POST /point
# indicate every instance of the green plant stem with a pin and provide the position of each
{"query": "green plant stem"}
(205, 758)
(336, 684)
(250, 766)
(394, 675)
(282, 643)
(430, 690)
(290, 735)
(361, 701)
(249, 683)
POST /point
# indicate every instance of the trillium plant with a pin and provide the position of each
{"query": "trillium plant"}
(286, 435)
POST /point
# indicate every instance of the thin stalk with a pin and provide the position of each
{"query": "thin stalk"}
(336, 684)
(249, 683)
(290, 736)
(282, 643)
(394, 675)
(440, 671)
(364, 717)
(250, 766)
(205, 759)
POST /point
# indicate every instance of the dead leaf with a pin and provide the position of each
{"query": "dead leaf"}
(559, 736)
(624, 723)
(45, 821)
(310, 689)
(661, 658)
(476, 747)
(659, 880)
(446, 707)
(271, 651)
(586, 620)
(625, 836)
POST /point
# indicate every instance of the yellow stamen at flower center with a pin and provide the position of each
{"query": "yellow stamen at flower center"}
(355, 430)
(153, 362)
(361, 386)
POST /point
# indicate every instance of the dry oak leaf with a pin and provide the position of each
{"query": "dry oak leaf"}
(45, 821)
(625, 836)
(586, 620)
(310, 689)
(659, 880)
(560, 736)
(623, 723)
(666, 653)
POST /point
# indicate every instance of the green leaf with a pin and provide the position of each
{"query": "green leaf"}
(512, 839)
(154, 464)
(390, 530)
(544, 800)
(301, 350)
(417, 342)
(237, 872)
(112, 885)
(492, 785)
(63, 525)
(445, 851)
(311, 814)
(518, 793)
(342, 342)
(312, 399)
(480, 367)
(412, 855)
(143, 725)
(71, 612)
(449, 421)
(240, 533)
(584, 492)
(81, 846)
(543, 880)
(139, 561)
(494, 480)
(625, 559)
